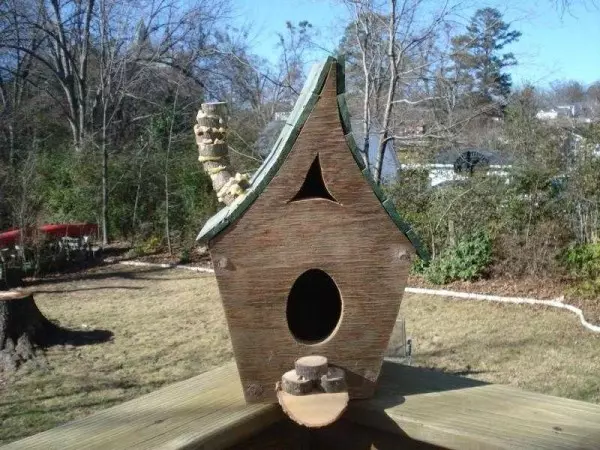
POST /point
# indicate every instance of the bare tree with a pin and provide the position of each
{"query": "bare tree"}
(15, 68)
(164, 49)
(63, 28)
(395, 52)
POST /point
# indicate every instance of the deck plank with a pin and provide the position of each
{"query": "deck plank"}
(460, 413)
(209, 412)
(206, 411)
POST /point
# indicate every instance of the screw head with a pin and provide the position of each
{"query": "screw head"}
(222, 262)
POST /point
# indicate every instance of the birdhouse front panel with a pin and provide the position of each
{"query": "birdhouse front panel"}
(314, 265)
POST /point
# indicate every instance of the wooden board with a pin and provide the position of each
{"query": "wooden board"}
(342, 435)
(275, 241)
(459, 413)
(412, 405)
(207, 411)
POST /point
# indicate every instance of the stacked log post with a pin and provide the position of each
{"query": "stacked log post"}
(313, 394)
(211, 137)
(313, 374)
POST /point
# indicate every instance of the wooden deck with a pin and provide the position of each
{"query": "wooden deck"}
(422, 408)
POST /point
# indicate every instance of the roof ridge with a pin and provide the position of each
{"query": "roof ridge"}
(284, 143)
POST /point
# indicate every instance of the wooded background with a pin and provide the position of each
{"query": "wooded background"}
(98, 100)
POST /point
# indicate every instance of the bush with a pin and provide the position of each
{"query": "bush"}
(186, 256)
(149, 246)
(583, 263)
(419, 266)
(467, 260)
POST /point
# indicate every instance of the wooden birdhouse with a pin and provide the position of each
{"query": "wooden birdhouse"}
(312, 259)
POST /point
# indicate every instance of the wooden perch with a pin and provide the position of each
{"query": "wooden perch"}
(211, 137)
(313, 394)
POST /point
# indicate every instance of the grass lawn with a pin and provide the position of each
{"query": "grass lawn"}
(168, 325)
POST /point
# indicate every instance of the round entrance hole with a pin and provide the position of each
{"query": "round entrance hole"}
(314, 307)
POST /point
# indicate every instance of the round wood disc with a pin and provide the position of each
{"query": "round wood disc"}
(314, 410)
(311, 367)
(293, 384)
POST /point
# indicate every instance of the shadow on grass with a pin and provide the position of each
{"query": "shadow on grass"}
(104, 275)
(100, 288)
(81, 385)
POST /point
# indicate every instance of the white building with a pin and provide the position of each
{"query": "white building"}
(547, 115)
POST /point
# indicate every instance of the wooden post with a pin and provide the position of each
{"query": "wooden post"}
(211, 137)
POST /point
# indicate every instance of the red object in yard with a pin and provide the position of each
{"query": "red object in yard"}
(10, 237)
(70, 229)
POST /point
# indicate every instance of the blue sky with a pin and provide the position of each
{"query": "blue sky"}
(554, 46)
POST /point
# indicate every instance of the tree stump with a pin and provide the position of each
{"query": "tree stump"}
(24, 330)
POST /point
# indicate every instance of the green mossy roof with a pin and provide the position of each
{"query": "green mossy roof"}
(302, 109)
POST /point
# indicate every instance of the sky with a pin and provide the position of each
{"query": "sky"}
(554, 45)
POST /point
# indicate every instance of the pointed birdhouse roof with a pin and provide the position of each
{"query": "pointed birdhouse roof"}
(304, 106)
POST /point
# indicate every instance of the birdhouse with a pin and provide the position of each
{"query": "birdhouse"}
(311, 260)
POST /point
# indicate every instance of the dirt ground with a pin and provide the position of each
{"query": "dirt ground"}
(168, 325)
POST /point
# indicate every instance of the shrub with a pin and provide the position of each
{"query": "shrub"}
(583, 260)
(419, 266)
(149, 246)
(466, 260)
(186, 256)
(583, 263)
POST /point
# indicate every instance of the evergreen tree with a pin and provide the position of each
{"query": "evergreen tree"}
(478, 53)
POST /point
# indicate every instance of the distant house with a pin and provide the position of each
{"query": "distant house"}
(391, 165)
(564, 111)
(550, 114)
(456, 164)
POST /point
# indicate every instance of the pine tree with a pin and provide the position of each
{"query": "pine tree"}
(477, 53)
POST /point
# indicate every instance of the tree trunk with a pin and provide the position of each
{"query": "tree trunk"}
(167, 159)
(24, 330)
(104, 181)
(385, 131)
(136, 202)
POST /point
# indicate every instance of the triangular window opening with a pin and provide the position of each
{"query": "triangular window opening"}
(314, 185)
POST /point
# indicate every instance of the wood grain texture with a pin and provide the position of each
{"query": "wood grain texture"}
(413, 408)
(274, 242)
(207, 411)
(459, 413)
(314, 410)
